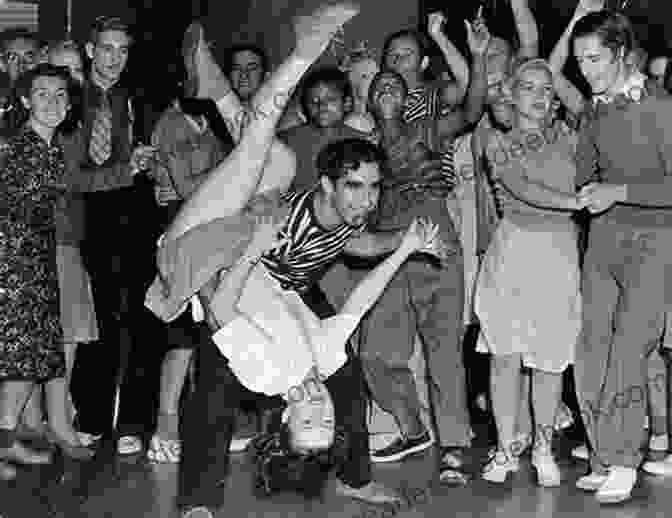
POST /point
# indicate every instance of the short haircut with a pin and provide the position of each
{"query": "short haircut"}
(374, 83)
(330, 76)
(523, 65)
(338, 158)
(612, 28)
(257, 50)
(25, 82)
(17, 33)
(412, 34)
(108, 23)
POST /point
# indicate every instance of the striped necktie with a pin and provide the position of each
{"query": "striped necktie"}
(100, 146)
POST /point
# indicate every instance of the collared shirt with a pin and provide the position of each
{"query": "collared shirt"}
(633, 88)
(122, 121)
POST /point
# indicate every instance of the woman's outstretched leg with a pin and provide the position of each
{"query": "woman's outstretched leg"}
(231, 185)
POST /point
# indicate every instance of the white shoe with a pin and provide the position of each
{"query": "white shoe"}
(658, 442)
(129, 445)
(240, 444)
(581, 452)
(499, 467)
(563, 418)
(618, 486)
(548, 473)
(591, 482)
(661, 468)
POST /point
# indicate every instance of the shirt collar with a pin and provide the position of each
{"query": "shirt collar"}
(633, 88)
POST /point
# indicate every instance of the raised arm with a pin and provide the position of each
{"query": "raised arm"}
(452, 93)
(526, 26)
(570, 96)
(231, 185)
(478, 38)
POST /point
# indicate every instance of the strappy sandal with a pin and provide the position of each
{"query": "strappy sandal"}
(165, 451)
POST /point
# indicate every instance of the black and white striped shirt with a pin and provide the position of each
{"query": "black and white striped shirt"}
(307, 248)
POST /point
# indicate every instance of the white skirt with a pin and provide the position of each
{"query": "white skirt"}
(527, 294)
(276, 339)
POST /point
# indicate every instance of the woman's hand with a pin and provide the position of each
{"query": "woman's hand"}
(423, 236)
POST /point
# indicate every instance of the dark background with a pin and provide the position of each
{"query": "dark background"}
(153, 65)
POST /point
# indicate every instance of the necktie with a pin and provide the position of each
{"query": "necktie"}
(100, 147)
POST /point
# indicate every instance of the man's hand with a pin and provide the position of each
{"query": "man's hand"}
(478, 35)
(435, 22)
(422, 236)
(141, 159)
(598, 197)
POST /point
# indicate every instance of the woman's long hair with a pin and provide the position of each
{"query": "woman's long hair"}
(280, 469)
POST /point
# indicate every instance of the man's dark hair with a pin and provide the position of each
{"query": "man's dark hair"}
(412, 34)
(279, 469)
(338, 158)
(231, 52)
(25, 84)
(374, 83)
(330, 76)
(612, 28)
(108, 23)
(17, 33)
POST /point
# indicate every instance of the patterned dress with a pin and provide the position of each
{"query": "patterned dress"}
(31, 181)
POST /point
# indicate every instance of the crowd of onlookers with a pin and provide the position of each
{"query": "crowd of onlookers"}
(85, 198)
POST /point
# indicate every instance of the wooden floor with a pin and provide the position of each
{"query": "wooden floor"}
(142, 490)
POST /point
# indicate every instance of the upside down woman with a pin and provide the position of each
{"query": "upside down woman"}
(253, 258)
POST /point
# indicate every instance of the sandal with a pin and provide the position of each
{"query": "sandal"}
(164, 450)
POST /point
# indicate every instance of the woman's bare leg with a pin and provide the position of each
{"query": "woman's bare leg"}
(505, 379)
(32, 417)
(70, 349)
(13, 398)
(231, 185)
(173, 373)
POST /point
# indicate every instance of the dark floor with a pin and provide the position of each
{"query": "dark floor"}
(144, 490)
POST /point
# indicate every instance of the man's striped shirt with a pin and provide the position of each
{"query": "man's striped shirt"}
(307, 249)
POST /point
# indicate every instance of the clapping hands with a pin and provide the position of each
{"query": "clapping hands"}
(423, 236)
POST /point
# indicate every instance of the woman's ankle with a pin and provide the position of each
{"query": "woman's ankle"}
(167, 425)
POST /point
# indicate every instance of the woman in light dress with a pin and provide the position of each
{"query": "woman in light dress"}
(527, 294)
